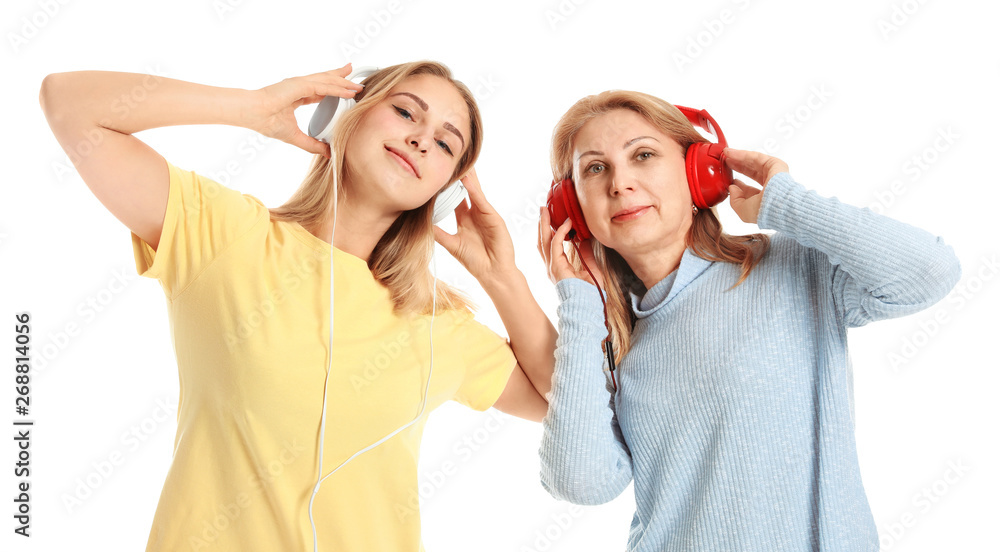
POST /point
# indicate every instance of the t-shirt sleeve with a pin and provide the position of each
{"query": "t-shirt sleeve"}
(202, 219)
(488, 361)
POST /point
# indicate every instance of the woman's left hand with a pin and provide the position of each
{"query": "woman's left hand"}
(482, 243)
(745, 199)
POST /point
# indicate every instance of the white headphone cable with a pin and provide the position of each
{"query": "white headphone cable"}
(322, 427)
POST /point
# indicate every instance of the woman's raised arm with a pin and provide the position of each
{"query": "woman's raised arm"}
(93, 115)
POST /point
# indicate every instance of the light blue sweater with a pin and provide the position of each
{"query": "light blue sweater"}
(734, 413)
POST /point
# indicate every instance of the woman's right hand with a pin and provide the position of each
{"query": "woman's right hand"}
(271, 111)
(550, 246)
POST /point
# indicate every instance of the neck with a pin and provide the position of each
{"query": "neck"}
(653, 266)
(360, 226)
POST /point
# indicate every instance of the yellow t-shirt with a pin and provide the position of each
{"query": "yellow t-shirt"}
(248, 302)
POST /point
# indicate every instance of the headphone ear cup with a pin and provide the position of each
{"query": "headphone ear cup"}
(562, 203)
(447, 200)
(708, 175)
(323, 119)
(331, 108)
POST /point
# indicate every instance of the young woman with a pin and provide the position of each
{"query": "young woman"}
(249, 287)
(733, 413)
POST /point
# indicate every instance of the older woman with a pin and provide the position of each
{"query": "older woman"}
(731, 408)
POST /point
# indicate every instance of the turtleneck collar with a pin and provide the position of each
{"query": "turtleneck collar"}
(690, 267)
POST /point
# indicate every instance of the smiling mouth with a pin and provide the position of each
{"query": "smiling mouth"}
(630, 214)
(403, 161)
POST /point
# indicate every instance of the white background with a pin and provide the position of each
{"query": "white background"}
(849, 92)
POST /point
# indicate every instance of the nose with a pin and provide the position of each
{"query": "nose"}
(418, 145)
(420, 140)
(621, 182)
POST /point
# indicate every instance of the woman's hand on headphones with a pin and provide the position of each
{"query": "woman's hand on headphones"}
(551, 248)
(271, 110)
(482, 243)
(745, 199)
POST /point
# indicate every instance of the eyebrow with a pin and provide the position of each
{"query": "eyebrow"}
(627, 144)
(423, 105)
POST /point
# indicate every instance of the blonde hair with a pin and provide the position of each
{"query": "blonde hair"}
(400, 259)
(705, 236)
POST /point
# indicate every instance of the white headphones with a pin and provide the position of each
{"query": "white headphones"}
(324, 119)
(326, 116)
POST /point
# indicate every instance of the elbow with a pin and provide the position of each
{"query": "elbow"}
(585, 486)
(942, 273)
(45, 92)
(49, 97)
(582, 494)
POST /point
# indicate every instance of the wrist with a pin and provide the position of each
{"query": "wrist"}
(239, 107)
(503, 282)
(774, 199)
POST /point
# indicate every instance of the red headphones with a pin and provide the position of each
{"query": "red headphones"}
(707, 174)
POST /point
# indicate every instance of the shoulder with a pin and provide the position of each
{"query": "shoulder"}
(204, 196)
(785, 257)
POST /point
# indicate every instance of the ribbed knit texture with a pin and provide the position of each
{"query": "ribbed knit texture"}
(734, 413)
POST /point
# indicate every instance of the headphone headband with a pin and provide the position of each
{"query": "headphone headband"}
(701, 119)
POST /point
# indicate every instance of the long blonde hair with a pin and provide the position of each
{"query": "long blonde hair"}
(705, 236)
(400, 259)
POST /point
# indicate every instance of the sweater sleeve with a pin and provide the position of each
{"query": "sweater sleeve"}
(880, 267)
(584, 458)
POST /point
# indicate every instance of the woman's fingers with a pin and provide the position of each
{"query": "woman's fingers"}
(461, 213)
(448, 241)
(558, 262)
(756, 165)
(746, 162)
(552, 250)
(745, 200)
(314, 86)
(740, 190)
(475, 190)
(324, 89)
(342, 71)
(312, 145)
(306, 100)
(543, 238)
(337, 76)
